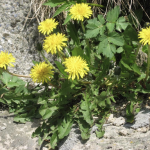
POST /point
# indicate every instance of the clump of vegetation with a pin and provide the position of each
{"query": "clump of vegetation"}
(97, 64)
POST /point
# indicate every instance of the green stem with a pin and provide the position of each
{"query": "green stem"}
(47, 60)
(61, 55)
(97, 5)
(85, 82)
(87, 41)
(148, 63)
(82, 26)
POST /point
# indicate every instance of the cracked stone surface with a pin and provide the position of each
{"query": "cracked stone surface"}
(15, 136)
(118, 136)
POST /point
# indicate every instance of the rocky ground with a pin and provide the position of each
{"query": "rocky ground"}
(119, 135)
(20, 36)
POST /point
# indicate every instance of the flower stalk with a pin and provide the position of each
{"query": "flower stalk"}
(148, 63)
(47, 60)
(87, 41)
(18, 75)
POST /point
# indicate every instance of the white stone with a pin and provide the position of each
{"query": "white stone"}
(143, 130)
(123, 132)
(116, 121)
(2, 128)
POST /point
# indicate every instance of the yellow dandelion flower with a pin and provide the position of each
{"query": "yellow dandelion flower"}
(47, 26)
(54, 42)
(80, 11)
(6, 60)
(76, 66)
(144, 35)
(41, 72)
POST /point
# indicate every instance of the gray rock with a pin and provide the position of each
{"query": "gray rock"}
(133, 140)
(143, 129)
(18, 136)
(141, 119)
(116, 137)
(116, 121)
(123, 132)
(19, 35)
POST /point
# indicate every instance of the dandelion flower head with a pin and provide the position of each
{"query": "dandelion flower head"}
(80, 11)
(47, 26)
(144, 35)
(76, 66)
(6, 60)
(41, 72)
(54, 42)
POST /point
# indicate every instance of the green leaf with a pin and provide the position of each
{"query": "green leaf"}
(14, 79)
(20, 89)
(125, 65)
(65, 127)
(145, 48)
(112, 98)
(47, 112)
(71, 30)
(61, 8)
(116, 39)
(37, 132)
(95, 89)
(12, 84)
(3, 101)
(54, 3)
(84, 128)
(85, 109)
(106, 48)
(121, 24)
(101, 19)
(110, 26)
(113, 14)
(131, 34)
(136, 69)
(99, 134)
(119, 50)
(5, 78)
(54, 140)
(21, 118)
(77, 51)
(130, 113)
(66, 88)
(142, 76)
(94, 28)
(41, 101)
(35, 62)
(3, 90)
(61, 68)
(68, 18)
(92, 33)
(108, 101)
(101, 99)
(107, 45)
